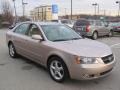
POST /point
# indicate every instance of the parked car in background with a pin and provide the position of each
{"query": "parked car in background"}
(92, 28)
(14, 25)
(115, 26)
(68, 22)
(61, 50)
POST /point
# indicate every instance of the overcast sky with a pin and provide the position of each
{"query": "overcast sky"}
(79, 6)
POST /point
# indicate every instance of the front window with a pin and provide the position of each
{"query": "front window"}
(59, 33)
(33, 30)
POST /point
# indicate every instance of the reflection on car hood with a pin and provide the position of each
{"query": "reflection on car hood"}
(83, 47)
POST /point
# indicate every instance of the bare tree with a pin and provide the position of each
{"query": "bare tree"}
(7, 11)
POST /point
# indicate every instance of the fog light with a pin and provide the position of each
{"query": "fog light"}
(86, 75)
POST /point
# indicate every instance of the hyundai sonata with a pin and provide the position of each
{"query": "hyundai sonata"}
(61, 50)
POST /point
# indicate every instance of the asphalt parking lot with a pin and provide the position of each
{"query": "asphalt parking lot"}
(21, 74)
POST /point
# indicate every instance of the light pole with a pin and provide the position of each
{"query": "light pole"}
(23, 5)
(15, 11)
(95, 6)
(118, 2)
(65, 11)
(71, 8)
(98, 9)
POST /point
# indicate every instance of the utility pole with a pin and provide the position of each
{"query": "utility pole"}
(71, 9)
(98, 9)
(15, 11)
(104, 13)
(23, 5)
(65, 11)
(118, 2)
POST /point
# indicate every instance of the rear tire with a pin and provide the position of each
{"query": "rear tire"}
(111, 33)
(12, 51)
(95, 36)
(57, 69)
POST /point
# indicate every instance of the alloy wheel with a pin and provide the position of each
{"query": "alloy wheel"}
(56, 70)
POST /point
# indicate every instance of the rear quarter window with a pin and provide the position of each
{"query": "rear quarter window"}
(82, 23)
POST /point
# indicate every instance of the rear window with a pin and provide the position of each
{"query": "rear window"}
(82, 23)
(114, 24)
(66, 21)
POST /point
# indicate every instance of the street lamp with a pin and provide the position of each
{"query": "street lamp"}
(95, 5)
(23, 5)
(118, 2)
(71, 9)
(15, 11)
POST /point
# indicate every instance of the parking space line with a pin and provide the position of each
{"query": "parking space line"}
(114, 45)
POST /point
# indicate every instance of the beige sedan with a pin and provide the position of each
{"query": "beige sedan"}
(61, 50)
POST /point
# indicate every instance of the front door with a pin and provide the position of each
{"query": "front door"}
(35, 47)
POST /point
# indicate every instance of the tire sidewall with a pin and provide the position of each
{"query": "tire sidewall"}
(15, 54)
(93, 36)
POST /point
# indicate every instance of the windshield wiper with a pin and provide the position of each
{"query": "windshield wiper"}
(66, 39)
(76, 38)
(60, 40)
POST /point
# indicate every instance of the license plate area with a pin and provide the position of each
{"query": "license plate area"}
(80, 28)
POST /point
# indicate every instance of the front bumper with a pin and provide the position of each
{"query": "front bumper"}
(88, 72)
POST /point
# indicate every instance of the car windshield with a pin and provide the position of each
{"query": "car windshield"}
(59, 33)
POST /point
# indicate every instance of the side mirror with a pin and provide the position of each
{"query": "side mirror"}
(37, 37)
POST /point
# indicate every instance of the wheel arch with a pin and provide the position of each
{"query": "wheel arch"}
(96, 31)
(9, 42)
(54, 55)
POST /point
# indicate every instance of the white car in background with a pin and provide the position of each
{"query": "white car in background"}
(68, 22)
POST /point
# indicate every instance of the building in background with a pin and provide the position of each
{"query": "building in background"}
(42, 13)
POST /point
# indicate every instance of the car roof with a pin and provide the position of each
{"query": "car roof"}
(43, 23)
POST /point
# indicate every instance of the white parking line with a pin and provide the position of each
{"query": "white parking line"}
(114, 45)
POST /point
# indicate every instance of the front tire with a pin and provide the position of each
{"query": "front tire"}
(12, 51)
(57, 69)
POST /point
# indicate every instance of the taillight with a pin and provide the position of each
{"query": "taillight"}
(116, 27)
(88, 28)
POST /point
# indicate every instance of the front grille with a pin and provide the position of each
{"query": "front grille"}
(108, 59)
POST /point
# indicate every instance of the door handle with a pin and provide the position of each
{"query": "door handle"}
(26, 40)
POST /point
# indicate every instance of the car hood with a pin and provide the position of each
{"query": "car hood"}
(82, 47)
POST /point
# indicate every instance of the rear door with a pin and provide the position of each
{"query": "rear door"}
(105, 28)
(19, 38)
(100, 28)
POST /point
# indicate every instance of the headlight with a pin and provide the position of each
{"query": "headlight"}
(86, 60)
